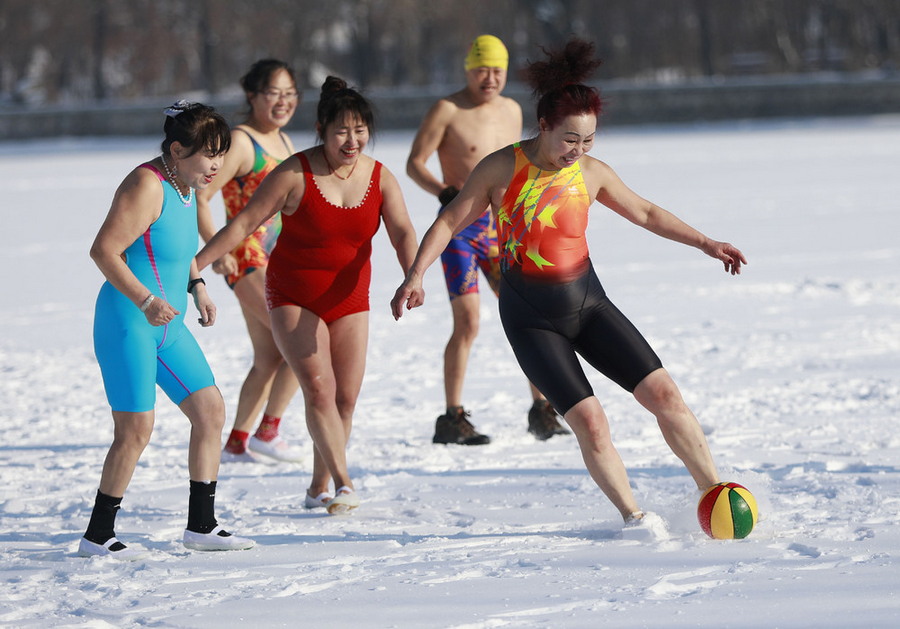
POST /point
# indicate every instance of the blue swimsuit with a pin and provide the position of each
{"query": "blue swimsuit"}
(135, 356)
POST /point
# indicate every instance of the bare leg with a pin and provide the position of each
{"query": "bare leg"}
(206, 411)
(349, 339)
(591, 427)
(466, 318)
(659, 394)
(284, 386)
(270, 379)
(305, 342)
(131, 434)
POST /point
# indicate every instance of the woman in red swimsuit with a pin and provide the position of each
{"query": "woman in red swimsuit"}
(332, 199)
(552, 305)
(258, 145)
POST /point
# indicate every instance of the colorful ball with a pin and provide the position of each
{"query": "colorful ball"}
(727, 511)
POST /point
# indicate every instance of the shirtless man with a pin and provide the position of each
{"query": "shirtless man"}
(463, 128)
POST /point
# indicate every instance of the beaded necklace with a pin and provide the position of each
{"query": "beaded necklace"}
(171, 176)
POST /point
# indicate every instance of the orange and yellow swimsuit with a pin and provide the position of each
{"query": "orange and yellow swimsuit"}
(542, 221)
(253, 252)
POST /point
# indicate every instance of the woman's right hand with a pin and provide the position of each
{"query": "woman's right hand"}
(226, 265)
(160, 312)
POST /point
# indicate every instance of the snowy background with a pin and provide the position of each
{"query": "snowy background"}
(792, 369)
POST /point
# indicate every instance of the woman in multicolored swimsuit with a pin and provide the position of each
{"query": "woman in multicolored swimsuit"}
(257, 147)
(145, 248)
(552, 305)
(332, 199)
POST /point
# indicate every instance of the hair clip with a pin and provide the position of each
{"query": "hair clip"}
(177, 108)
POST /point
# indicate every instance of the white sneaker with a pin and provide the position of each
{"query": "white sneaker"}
(645, 527)
(344, 500)
(87, 548)
(243, 457)
(319, 502)
(278, 449)
(216, 539)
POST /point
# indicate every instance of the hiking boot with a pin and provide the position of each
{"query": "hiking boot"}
(543, 422)
(454, 427)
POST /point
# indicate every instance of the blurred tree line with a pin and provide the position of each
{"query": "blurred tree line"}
(76, 51)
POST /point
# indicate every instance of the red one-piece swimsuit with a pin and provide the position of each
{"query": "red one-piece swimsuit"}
(322, 260)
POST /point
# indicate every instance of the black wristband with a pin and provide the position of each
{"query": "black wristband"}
(447, 194)
(194, 282)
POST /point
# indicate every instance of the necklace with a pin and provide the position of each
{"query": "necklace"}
(331, 170)
(171, 176)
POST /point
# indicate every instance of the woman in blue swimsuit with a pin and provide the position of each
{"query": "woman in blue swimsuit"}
(145, 249)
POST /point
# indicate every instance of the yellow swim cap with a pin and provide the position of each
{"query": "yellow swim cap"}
(487, 51)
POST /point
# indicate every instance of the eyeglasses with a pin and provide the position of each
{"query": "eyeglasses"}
(272, 95)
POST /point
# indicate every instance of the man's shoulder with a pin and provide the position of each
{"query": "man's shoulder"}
(456, 100)
(509, 101)
(443, 109)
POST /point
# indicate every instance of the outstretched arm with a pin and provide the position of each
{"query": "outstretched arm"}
(281, 190)
(463, 210)
(238, 162)
(614, 194)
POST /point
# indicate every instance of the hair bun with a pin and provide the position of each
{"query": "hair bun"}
(333, 84)
(573, 64)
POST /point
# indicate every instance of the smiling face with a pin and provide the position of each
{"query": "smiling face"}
(485, 83)
(197, 170)
(344, 139)
(274, 106)
(565, 143)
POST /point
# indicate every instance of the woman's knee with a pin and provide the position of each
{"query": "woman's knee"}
(589, 421)
(133, 431)
(346, 405)
(205, 409)
(267, 363)
(658, 393)
(318, 391)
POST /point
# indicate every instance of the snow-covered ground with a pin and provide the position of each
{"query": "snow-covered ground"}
(792, 368)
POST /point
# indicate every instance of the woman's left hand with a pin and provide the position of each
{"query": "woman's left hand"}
(205, 306)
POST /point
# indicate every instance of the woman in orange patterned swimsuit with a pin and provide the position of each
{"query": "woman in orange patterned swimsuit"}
(257, 146)
(552, 305)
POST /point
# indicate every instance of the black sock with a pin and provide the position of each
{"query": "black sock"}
(202, 507)
(102, 524)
